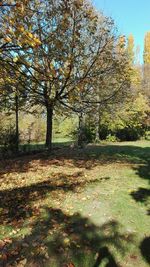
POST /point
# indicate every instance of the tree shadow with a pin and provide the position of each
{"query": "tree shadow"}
(145, 249)
(74, 238)
(128, 153)
(143, 170)
(88, 158)
(17, 204)
(105, 254)
(60, 239)
(143, 194)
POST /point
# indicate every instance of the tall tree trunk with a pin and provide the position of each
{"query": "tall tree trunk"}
(81, 131)
(49, 127)
(17, 123)
(97, 131)
(97, 124)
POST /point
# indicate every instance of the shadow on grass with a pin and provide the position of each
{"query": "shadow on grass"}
(74, 238)
(59, 239)
(30, 149)
(17, 204)
(88, 157)
(105, 254)
(145, 249)
(38, 147)
(142, 195)
(124, 153)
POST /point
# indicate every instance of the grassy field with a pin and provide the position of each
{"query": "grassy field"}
(77, 207)
(30, 148)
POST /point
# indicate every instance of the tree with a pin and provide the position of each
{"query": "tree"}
(13, 35)
(135, 70)
(12, 96)
(130, 48)
(146, 68)
(73, 38)
(113, 85)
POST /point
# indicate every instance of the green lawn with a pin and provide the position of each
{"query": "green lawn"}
(26, 148)
(77, 207)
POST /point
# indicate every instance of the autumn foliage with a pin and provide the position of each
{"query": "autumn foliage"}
(60, 57)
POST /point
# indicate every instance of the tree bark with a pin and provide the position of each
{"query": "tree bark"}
(81, 131)
(49, 127)
(17, 123)
(97, 132)
(97, 124)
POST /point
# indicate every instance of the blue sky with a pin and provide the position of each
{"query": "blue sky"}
(130, 16)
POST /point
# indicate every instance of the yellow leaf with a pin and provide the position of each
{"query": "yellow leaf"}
(30, 34)
(15, 59)
(66, 241)
(21, 28)
(7, 39)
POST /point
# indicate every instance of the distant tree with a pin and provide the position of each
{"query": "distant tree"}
(146, 55)
(146, 68)
(130, 48)
(135, 70)
(12, 94)
(113, 87)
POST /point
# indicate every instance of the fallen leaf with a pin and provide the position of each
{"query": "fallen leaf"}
(4, 257)
(22, 263)
(66, 241)
(2, 244)
(71, 265)
(8, 240)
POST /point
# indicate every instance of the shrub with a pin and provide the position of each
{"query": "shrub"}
(104, 132)
(87, 135)
(147, 135)
(8, 139)
(111, 138)
(130, 134)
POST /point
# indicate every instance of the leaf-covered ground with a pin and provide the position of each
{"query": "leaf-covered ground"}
(77, 207)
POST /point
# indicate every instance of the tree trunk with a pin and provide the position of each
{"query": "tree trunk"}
(97, 132)
(17, 123)
(97, 119)
(81, 137)
(49, 127)
(97, 124)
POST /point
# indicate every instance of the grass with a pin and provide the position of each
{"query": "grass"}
(77, 207)
(31, 148)
(61, 142)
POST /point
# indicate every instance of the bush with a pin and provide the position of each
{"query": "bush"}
(86, 135)
(147, 135)
(8, 139)
(111, 138)
(89, 134)
(104, 132)
(125, 134)
(130, 134)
